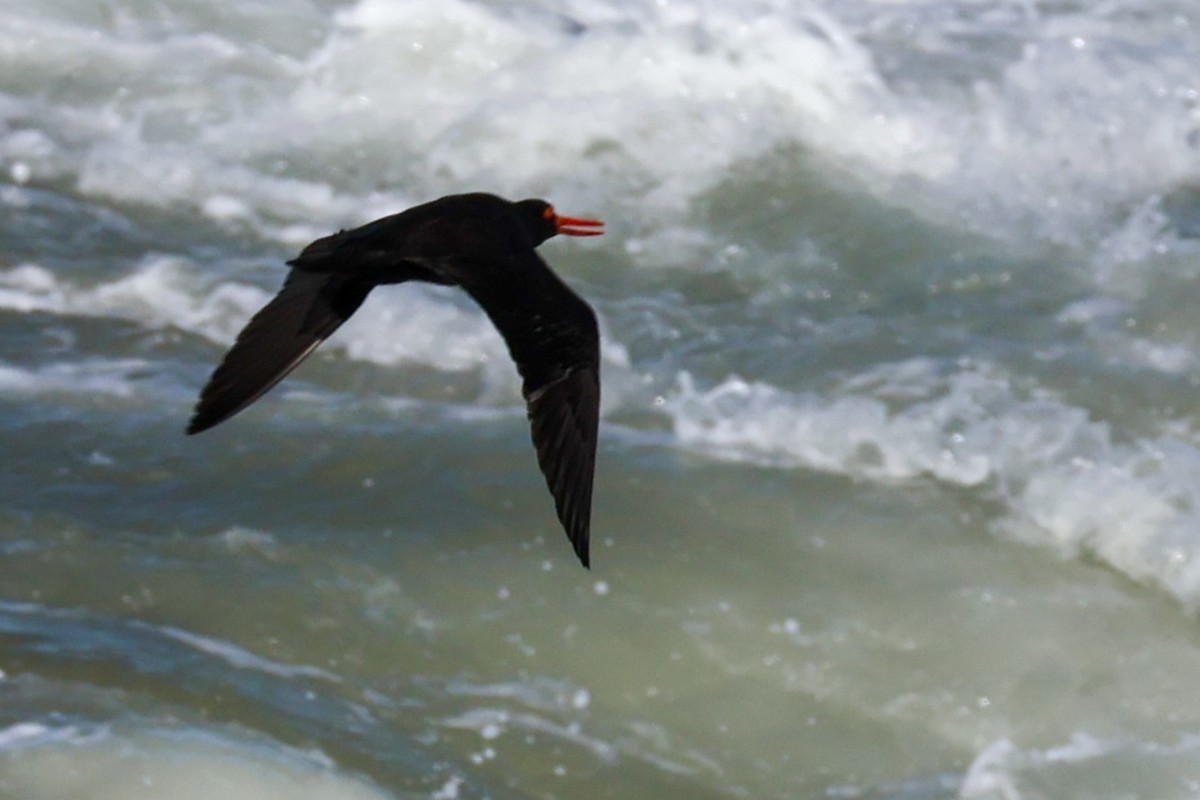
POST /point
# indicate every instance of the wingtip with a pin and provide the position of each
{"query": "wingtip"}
(199, 423)
(205, 417)
(580, 546)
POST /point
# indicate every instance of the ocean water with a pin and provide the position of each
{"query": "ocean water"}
(898, 493)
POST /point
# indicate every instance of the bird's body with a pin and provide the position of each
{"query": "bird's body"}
(484, 244)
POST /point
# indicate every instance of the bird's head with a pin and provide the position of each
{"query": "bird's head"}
(542, 222)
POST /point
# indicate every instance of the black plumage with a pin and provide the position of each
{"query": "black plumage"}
(485, 245)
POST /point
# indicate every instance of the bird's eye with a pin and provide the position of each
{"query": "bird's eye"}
(548, 213)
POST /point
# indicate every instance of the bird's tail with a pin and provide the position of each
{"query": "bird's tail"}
(307, 310)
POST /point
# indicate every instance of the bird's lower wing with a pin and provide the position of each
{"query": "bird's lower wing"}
(563, 417)
(307, 310)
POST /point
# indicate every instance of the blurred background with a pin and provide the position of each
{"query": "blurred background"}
(898, 493)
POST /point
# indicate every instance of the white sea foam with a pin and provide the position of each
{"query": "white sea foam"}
(1086, 767)
(1064, 478)
(398, 325)
(1061, 123)
(160, 292)
(165, 291)
(117, 378)
(32, 734)
(41, 762)
(240, 657)
(414, 325)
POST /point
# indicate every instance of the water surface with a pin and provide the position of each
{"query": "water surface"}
(899, 476)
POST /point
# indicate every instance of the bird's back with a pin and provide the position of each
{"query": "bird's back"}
(475, 226)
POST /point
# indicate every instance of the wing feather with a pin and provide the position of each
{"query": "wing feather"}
(307, 310)
(564, 418)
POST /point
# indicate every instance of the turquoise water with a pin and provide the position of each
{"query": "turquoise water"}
(899, 477)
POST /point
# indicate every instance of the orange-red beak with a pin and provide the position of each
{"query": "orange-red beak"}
(573, 226)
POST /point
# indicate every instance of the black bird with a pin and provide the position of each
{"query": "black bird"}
(484, 244)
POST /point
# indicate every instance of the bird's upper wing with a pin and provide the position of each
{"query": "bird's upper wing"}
(307, 310)
(553, 338)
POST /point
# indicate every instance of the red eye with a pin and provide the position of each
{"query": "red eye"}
(549, 213)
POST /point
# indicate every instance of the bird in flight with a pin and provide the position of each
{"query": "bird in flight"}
(485, 245)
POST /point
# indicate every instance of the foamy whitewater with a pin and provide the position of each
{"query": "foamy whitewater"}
(899, 484)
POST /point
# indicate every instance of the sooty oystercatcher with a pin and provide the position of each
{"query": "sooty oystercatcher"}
(485, 245)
